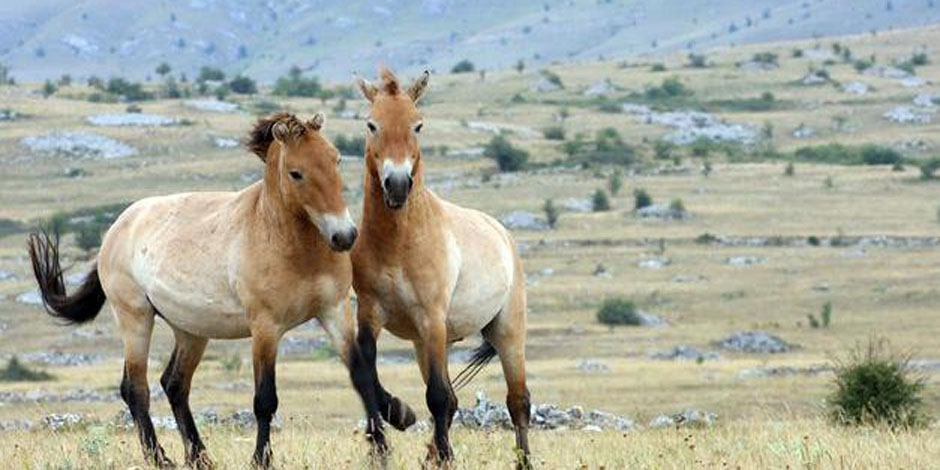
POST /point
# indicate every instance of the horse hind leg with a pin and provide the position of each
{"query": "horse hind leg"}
(176, 382)
(136, 328)
(507, 335)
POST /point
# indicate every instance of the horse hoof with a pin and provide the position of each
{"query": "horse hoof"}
(400, 415)
(160, 460)
(201, 462)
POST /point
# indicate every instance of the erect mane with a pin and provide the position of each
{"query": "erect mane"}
(389, 81)
(261, 135)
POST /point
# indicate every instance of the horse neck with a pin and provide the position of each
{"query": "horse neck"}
(275, 219)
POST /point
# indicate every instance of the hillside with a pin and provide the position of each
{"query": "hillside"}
(45, 39)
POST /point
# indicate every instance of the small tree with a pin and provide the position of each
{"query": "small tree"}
(163, 69)
(507, 157)
(16, 371)
(874, 385)
(207, 74)
(698, 61)
(928, 168)
(641, 199)
(49, 89)
(615, 182)
(464, 66)
(618, 311)
(243, 85)
(551, 212)
(790, 170)
(554, 133)
(88, 237)
(600, 202)
(520, 66)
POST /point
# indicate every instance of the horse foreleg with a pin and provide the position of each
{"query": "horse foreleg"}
(264, 355)
(176, 382)
(365, 380)
(136, 328)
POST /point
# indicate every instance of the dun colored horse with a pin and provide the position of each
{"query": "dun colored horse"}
(221, 265)
(431, 272)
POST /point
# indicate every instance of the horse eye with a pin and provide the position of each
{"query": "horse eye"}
(371, 126)
(295, 175)
(418, 127)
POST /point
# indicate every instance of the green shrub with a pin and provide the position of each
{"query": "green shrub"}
(49, 89)
(607, 148)
(464, 66)
(615, 182)
(243, 85)
(554, 133)
(641, 199)
(765, 58)
(875, 155)
(551, 212)
(929, 167)
(868, 154)
(919, 59)
(875, 386)
(88, 237)
(658, 67)
(698, 61)
(210, 74)
(796, 53)
(677, 206)
(765, 102)
(553, 78)
(350, 145)
(670, 87)
(826, 314)
(618, 311)
(662, 149)
(15, 371)
(610, 107)
(862, 65)
(706, 239)
(790, 169)
(600, 202)
(130, 91)
(295, 84)
(507, 157)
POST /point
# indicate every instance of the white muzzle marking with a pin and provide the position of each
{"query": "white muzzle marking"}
(389, 168)
(331, 224)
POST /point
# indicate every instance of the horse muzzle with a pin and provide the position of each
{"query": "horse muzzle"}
(395, 190)
(343, 241)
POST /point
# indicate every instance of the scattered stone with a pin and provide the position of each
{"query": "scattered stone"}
(754, 342)
(687, 278)
(655, 262)
(212, 106)
(75, 173)
(7, 275)
(81, 395)
(291, 346)
(782, 371)
(648, 319)
(886, 72)
(7, 114)
(488, 415)
(693, 125)
(131, 119)
(469, 152)
(499, 129)
(684, 419)
(855, 88)
(662, 212)
(803, 132)
(913, 82)
(55, 421)
(578, 205)
(544, 85)
(745, 260)
(685, 353)
(601, 271)
(90, 332)
(908, 115)
(592, 366)
(814, 78)
(925, 365)
(924, 101)
(224, 142)
(61, 359)
(29, 298)
(16, 425)
(522, 220)
(601, 88)
(546, 272)
(757, 66)
(75, 279)
(78, 145)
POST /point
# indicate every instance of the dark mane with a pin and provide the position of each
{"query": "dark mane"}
(261, 135)
(389, 81)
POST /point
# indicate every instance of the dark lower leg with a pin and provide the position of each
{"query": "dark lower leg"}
(176, 381)
(365, 380)
(519, 410)
(442, 403)
(136, 395)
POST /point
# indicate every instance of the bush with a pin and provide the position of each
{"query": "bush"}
(618, 311)
(662, 149)
(765, 58)
(790, 169)
(825, 315)
(600, 202)
(698, 61)
(862, 65)
(507, 157)
(670, 87)
(875, 155)
(129, 91)
(615, 182)
(350, 145)
(928, 168)
(874, 386)
(464, 66)
(15, 371)
(869, 154)
(49, 89)
(765, 102)
(641, 199)
(677, 206)
(551, 212)
(554, 133)
(243, 85)
(607, 148)
(919, 59)
(88, 237)
(295, 84)
(210, 74)
(658, 67)
(797, 53)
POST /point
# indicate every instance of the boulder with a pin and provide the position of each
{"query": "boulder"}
(522, 220)
(686, 418)
(544, 85)
(908, 115)
(131, 119)
(214, 106)
(654, 262)
(684, 353)
(855, 88)
(592, 366)
(574, 204)
(745, 260)
(600, 88)
(78, 145)
(754, 342)
(225, 142)
(29, 298)
(661, 211)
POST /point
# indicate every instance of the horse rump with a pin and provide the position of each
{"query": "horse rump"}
(80, 307)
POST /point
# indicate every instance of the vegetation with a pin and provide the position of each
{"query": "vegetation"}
(876, 386)
(16, 371)
(88, 237)
(355, 145)
(765, 102)
(599, 201)
(210, 74)
(619, 311)
(789, 170)
(698, 61)
(868, 154)
(243, 85)
(658, 67)
(295, 84)
(765, 58)
(551, 213)
(641, 199)
(464, 66)
(553, 78)
(507, 157)
(607, 148)
(49, 89)
(554, 133)
(928, 168)
(677, 207)
(615, 182)
(825, 315)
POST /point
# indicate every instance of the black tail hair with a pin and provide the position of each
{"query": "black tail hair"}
(80, 307)
(480, 358)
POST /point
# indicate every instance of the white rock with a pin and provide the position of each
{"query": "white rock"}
(522, 220)
(29, 298)
(544, 85)
(745, 260)
(212, 105)
(855, 88)
(225, 143)
(907, 115)
(924, 101)
(131, 119)
(578, 205)
(601, 88)
(886, 72)
(78, 145)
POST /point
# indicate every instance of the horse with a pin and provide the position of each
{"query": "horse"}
(220, 265)
(431, 272)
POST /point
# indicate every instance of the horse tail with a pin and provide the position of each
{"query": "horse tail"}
(478, 360)
(80, 307)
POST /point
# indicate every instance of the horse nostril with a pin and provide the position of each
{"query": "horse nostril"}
(335, 239)
(410, 183)
(387, 183)
(353, 235)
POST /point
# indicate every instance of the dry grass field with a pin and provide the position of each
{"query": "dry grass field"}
(770, 422)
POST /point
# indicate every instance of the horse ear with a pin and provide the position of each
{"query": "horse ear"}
(280, 131)
(416, 90)
(367, 89)
(317, 122)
